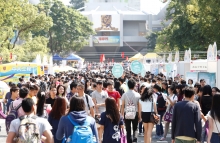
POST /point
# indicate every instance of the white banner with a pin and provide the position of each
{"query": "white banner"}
(198, 66)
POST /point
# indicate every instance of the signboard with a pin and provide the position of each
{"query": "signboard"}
(106, 39)
(136, 67)
(107, 22)
(143, 72)
(198, 66)
(193, 76)
(117, 70)
(210, 78)
(13, 71)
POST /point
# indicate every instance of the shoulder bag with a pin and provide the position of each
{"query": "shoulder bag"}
(153, 117)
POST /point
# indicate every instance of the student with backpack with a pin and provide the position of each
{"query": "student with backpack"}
(14, 95)
(161, 108)
(15, 109)
(77, 126)
(129, 110)
(30, 128)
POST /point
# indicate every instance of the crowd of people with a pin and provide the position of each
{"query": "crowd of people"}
(96, 107)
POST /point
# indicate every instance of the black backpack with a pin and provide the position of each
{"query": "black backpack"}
(161, 103)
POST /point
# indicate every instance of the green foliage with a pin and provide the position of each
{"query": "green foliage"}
(151, 41)
(194, 25)
(70, 30)
(24, 18)
(76, 4)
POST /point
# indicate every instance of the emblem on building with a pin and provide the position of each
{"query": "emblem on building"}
(106, 21)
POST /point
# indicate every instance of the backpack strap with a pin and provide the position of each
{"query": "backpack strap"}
(17, 107)
(87, 100)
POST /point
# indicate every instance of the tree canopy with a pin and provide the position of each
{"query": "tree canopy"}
(18, 19)
(195, 24)
(70, 30)
(76, 4)
(49, 27)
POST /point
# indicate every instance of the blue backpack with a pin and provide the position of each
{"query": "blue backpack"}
(81, 133)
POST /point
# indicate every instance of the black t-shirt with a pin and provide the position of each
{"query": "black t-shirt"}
(50, 101)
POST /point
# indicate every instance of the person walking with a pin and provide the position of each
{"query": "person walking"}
(58, 110)
(186, 121)
(78, 115)
(170, 102)
(111, 123)
(214, 120)
(146, 106)
(129, 110)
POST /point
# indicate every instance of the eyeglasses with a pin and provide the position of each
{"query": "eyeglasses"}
(78, 88)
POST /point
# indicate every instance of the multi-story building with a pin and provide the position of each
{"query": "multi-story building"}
(120, 26)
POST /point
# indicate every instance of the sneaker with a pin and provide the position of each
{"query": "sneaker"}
(162, 139)
(156, 137)
(140, 134)
(135, 140)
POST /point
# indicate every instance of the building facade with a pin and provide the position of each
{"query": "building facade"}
(120, 26)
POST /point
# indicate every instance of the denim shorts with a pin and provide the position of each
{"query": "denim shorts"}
(215, 138)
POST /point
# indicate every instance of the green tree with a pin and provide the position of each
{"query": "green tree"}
(22, 18)
(185, 31)
(70, 30)
(76, 4)
(209, 20)
(152, 38)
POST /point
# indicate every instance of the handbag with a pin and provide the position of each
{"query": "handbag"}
(123, 136)
(153, 117)
(169, 115)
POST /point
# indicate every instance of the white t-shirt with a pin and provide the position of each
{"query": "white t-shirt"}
(100, 98)
(91, 103)
(215, 123)
(146, 105)
(172, 98)
(43, 125)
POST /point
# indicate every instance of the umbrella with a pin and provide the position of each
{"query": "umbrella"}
(72, 57)
(56, 57)
(136, 57)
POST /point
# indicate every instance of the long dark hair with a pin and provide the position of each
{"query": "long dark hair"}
(165, 90)
(86, 88)
(215, 109)
(40, 103)
(147, 94)
(59, 108)
(112, 110)
(207, 90)
(76, 104)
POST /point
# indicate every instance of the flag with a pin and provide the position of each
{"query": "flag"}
(103, 57)
(10, 56)
(126, 58)
(122, 55)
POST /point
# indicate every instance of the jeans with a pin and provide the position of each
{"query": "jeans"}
(159, 128)
(128, 128)
(204, 133)
(140, 127)
(184, 141)
(215, 138)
